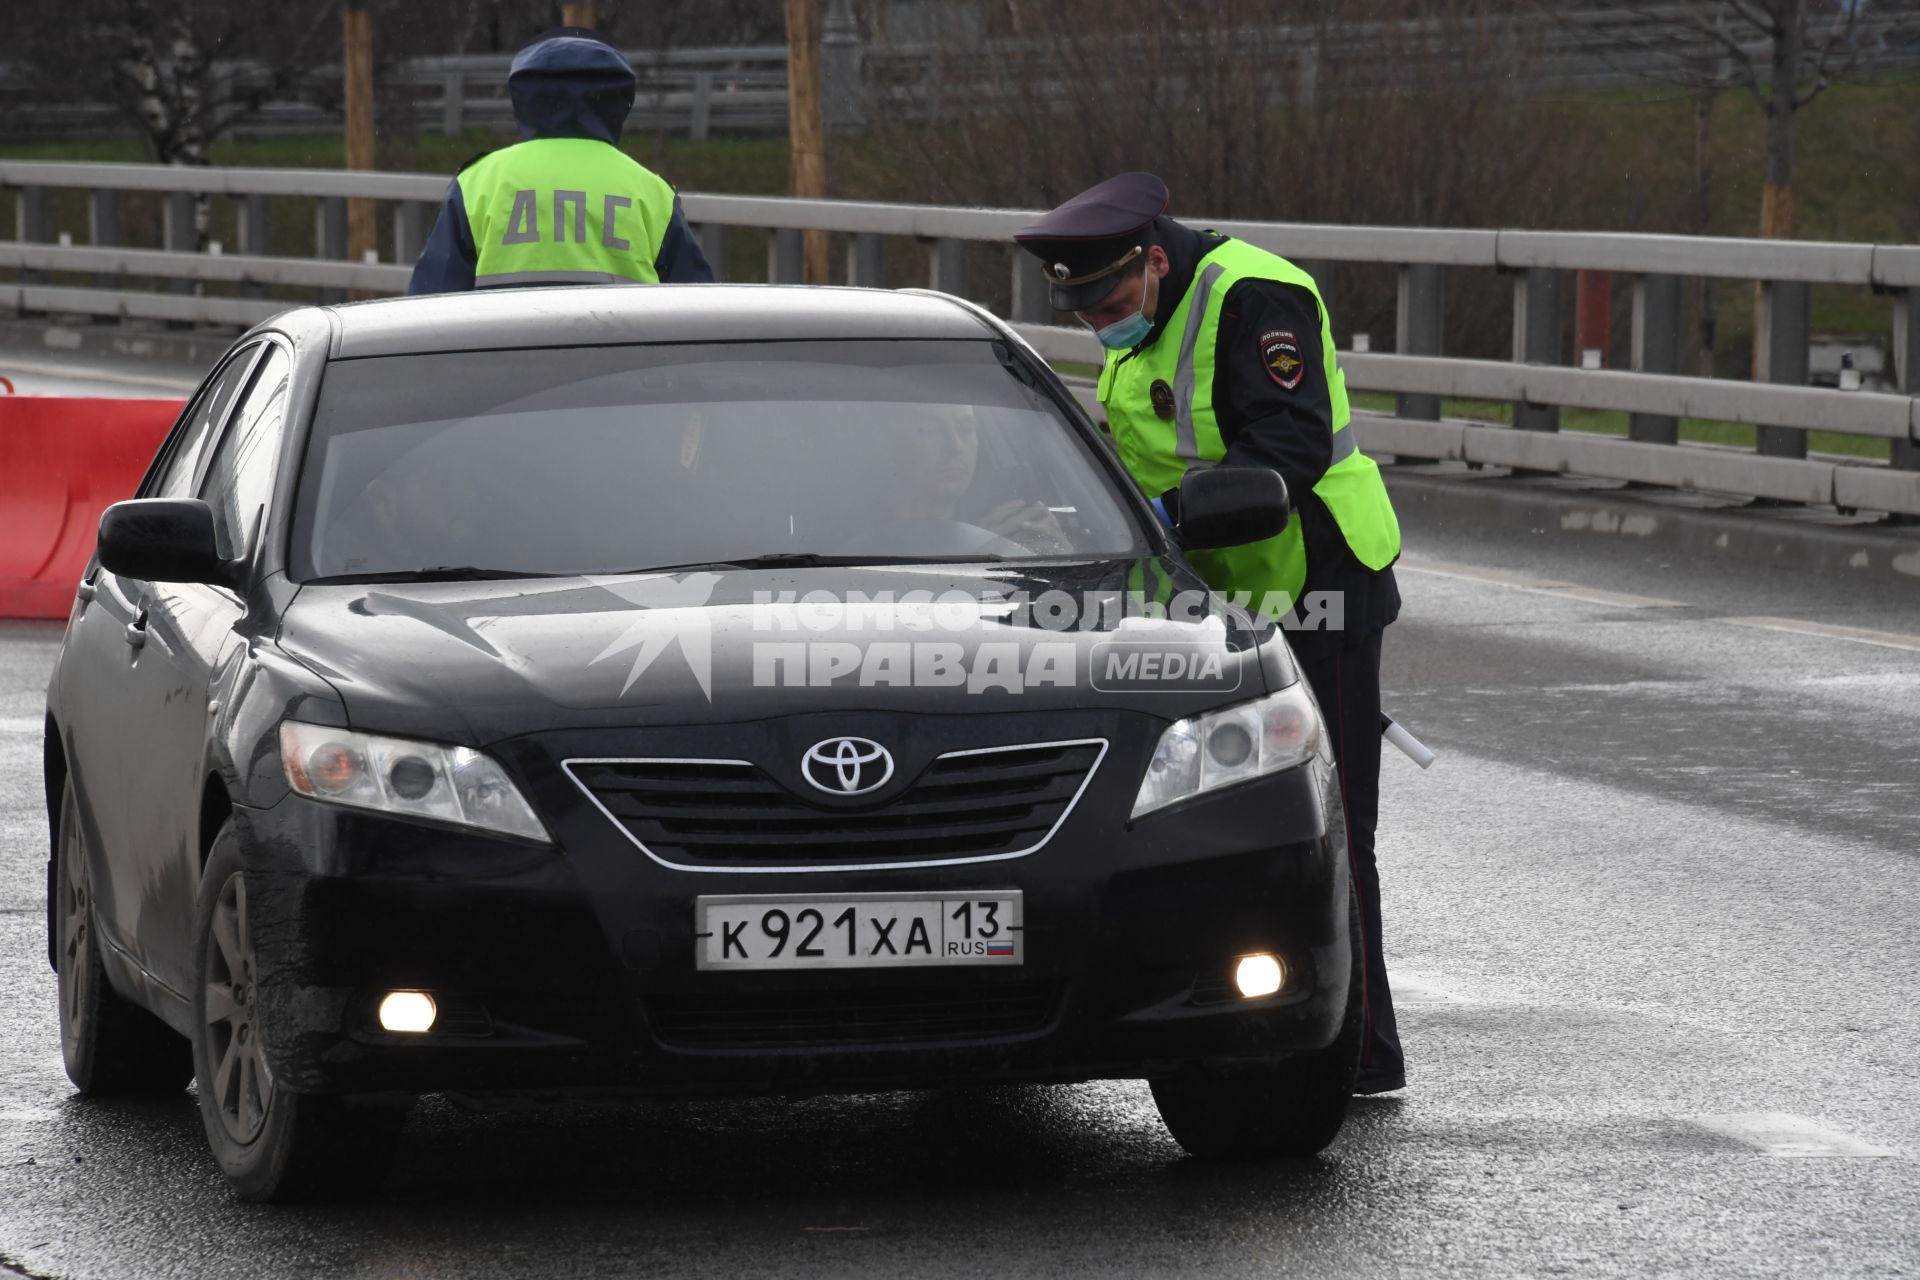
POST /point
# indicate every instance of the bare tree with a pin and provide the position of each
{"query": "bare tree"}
(1781, 53)
(183, 72)
(1372, 111)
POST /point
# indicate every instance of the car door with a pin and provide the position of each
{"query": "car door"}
(189, 630)
(105, 644)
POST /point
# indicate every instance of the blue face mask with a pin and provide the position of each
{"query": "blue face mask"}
(1126, 334)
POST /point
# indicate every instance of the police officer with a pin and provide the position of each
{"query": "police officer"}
(1221, 354)
(565, 204)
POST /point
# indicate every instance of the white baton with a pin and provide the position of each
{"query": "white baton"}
(1414, 749)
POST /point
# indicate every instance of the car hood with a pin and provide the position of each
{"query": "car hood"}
(481, 661)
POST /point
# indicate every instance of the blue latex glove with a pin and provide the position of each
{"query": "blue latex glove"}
(1160, 509)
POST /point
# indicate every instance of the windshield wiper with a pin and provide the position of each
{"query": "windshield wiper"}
(440, 573)
(813, 560)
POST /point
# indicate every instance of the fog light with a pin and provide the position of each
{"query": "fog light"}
(412, 1011)
(1259, 975)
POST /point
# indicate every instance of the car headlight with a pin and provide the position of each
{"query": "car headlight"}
(1233, 744)
(393, 775)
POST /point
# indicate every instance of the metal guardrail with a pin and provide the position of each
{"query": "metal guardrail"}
(1861, 413)
(1536, 382)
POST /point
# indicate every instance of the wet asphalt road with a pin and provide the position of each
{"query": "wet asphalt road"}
(1663, 880)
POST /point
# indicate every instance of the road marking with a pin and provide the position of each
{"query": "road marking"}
(1828, 631)
(1622, 600)
(21, 724)
(1536, 586)
(1778, 1133)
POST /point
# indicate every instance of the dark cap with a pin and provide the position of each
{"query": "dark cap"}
(1085, 244)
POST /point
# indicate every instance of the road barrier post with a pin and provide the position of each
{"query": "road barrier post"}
(1656, 349)
(105, 227)
(867, 260)
(1538, 293)
(1906, 367)
(178, 233)
(330, 237)
(1030, 304)
(30, 224)
(1322, 273)
(256, 235)
(947, 266)
(453, 101)
(785, 263)
(1782, 346)
(713, 243)
(409, 230)
(700, 113)
(1420, 318)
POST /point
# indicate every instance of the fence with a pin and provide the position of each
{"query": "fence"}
(1539, 264)
(743, 89)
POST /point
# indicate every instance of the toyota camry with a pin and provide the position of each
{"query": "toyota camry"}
(673, 691)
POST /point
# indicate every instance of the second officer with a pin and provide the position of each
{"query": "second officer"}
(1219, 353)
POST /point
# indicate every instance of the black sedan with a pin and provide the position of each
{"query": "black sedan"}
(671, 690)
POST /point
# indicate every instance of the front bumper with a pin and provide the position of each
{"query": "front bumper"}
(573, 967)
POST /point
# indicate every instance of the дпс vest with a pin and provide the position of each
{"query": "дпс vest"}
(554, 210)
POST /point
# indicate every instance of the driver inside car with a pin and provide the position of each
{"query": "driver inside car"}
(927, 471)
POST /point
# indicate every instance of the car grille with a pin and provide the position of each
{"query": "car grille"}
(893, 1016)
(977, 804)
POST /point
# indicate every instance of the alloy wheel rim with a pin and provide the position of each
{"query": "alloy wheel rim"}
(242, 1084)
(76, 923)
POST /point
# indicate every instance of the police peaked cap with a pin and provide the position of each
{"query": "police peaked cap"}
(1085, 245)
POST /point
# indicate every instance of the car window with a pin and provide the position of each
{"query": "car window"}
(604, 459)
(240, 477)
(204, 416)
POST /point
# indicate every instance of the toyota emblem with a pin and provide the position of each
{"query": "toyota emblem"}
(847, 766)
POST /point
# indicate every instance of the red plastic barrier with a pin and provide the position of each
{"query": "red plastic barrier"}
(62, 462)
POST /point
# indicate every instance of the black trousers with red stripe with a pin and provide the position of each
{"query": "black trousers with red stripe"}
(1346, 681)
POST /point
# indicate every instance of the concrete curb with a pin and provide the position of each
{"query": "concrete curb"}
(1775, 539)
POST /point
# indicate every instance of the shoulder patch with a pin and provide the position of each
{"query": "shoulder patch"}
(1280, 353)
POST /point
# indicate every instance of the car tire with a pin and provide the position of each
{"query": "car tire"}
(110, 1045)
(272, 1143)
(1292, 1107)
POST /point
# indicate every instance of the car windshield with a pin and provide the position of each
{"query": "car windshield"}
(617, 459)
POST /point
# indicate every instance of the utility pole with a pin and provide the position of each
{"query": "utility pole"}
(356, 32)
(806, 131)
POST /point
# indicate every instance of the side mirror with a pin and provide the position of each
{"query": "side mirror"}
(1230, 507)
(162, 540)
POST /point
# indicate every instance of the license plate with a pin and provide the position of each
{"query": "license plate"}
(857, 930)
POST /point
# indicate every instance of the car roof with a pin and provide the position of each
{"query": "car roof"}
(589, 315)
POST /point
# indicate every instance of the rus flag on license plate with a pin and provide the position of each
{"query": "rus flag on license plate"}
(999, 948)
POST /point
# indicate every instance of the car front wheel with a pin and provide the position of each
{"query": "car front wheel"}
(1292, 1107)
(110, 1045)
(272, 1143)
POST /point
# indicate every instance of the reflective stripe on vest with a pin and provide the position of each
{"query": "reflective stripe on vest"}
(1272, 571)
(1185, 445)
(564, 210)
